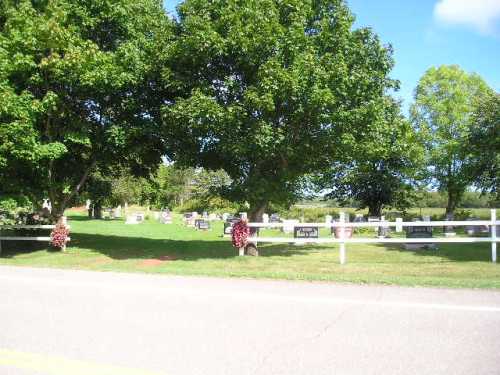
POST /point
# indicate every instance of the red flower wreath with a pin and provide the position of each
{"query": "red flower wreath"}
(240, 234)
(59, 235)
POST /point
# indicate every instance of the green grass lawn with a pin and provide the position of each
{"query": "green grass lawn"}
(175, 249)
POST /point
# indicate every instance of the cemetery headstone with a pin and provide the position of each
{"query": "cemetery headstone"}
(305, 232)
(473, 230)
(131, 219)
(118, 212)
(359, 218)
(418, 232)
(265, 218)
(228, 228)
(166, 217)
(275, 218)
(383, 230)
(328, 219)
(288, 225)
(202, 224)
(449, 230)
(337, 231)
(399, 226)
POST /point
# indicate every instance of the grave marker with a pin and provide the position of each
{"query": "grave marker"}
(305, 232)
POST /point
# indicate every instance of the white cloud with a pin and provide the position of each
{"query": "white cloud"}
(482, 15)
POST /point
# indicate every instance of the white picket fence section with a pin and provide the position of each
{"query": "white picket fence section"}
(399, 224)
(32, 238)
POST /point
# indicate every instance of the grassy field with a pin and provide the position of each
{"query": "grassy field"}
(175, 249)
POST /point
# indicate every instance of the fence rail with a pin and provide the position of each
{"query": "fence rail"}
(337, 224)
(32, 238)
(399, 224)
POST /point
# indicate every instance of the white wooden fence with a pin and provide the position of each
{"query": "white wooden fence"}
(399, 224)
(25, 238)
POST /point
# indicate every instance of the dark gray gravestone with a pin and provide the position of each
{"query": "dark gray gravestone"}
(274, 218)
(419, 232)
(473, 230)
(305, 232)
(202, 224)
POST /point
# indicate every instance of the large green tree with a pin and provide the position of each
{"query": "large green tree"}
(384, 168)
(79, 91)
(445, 99)
(485, 145)
(274, 90)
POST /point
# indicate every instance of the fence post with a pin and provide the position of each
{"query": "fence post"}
(342, 237)
(399, 226)
(493, 236)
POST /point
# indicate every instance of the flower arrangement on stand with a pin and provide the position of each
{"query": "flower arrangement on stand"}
(240, 234)
(59, 235)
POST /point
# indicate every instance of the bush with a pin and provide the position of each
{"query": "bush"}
(215, 205)
(13, 208)
(309, 214)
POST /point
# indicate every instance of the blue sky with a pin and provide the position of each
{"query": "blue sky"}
(427, 33)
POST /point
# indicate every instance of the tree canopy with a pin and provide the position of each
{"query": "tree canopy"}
(79, 89)
(485, 145)
(445, 99)
(384, 167)
(274, 90)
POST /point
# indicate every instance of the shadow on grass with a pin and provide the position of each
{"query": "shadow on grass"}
(123, 248)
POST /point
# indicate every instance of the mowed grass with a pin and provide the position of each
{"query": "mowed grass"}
(175, 249)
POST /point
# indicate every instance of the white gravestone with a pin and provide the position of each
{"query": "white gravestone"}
(135, 218)
(288, 225)
(265, 218)
(131, 219)
(118, 211)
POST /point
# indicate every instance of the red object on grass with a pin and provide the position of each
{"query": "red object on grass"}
(59, 235)
(240, 234)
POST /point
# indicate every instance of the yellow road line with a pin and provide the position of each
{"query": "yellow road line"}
(53, 365)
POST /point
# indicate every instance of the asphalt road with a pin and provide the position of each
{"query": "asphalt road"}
(55, 322)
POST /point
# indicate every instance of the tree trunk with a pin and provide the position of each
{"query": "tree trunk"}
(452, 203)
(375, 210)
(256, 212)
